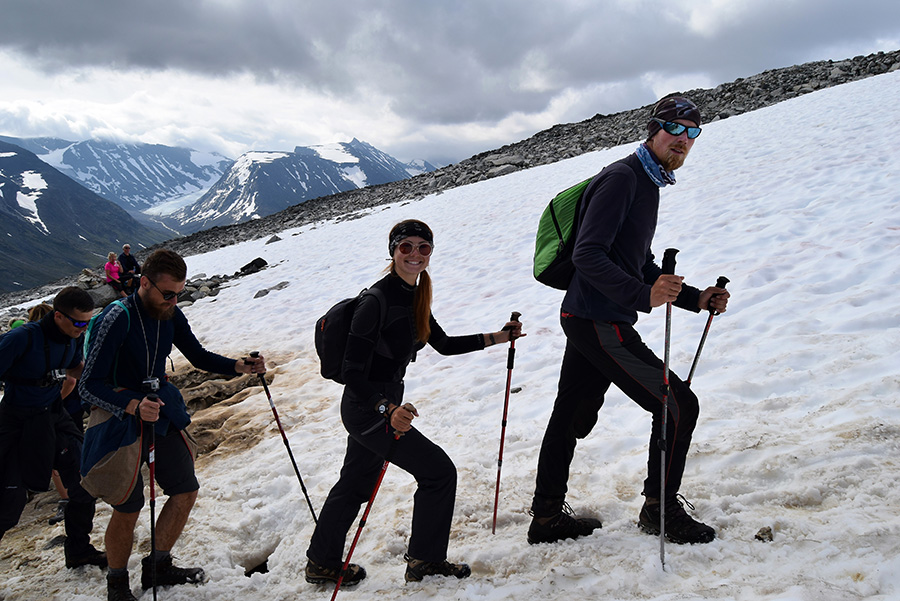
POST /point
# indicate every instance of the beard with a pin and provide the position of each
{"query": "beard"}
(673, 160)
(163, 312)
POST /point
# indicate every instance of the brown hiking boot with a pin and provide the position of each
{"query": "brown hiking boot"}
(416, 569)
(319, 574)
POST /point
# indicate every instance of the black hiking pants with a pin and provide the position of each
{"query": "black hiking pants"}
(369, 444)
(599, 354)
(33, 442)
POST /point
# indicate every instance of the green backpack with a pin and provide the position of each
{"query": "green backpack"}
(556, 237)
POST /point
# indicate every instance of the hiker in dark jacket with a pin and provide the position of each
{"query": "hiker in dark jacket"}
(372, 410)
(131, 269)
(126, 360)
(37, 435)
(615, 278)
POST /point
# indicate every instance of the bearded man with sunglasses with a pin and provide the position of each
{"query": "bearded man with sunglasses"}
(125, 381)
(615, 278)
(37, 434)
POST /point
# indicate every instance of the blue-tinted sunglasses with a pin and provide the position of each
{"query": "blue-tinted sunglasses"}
(676, 129)
(75, 322)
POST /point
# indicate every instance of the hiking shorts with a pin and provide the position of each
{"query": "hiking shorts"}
(174, 470)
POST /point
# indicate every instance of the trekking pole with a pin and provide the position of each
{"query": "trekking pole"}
(510, 360)
(668, 267)
(720, 283)
(362, 521)
(284, 438)
(151, 462)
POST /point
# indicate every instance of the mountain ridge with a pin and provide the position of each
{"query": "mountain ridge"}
(553, 144)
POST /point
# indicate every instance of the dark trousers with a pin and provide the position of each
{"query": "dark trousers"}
(599, 354)
(33, 442)
(368, 445)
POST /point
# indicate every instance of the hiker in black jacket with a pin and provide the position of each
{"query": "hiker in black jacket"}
(372, 409)
(131, 269)
(37, 435)
(615, 278)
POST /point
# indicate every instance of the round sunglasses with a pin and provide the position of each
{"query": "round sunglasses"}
(406, 248)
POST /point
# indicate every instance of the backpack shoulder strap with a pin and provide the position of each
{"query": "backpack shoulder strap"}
(382, 303)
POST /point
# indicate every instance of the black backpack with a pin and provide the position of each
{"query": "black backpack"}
(333, 329)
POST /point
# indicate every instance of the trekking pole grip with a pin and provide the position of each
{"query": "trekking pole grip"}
(668, 264)
(720, 283)
(514, 316)
(152, 396)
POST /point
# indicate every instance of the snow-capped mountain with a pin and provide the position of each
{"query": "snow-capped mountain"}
(138, 177)
(51, 226)
(263, 183)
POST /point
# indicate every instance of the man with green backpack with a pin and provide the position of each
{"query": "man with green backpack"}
(613, 277)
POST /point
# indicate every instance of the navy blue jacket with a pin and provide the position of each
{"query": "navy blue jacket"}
(22, 366)
(614, 268)
(127, 347)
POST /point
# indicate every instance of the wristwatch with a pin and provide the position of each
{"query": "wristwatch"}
(382, 407)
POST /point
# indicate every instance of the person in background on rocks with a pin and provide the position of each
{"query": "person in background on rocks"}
(113, 268)
(37, 312)
(615, 278)
(131, 269)
(36, 433)
(16, 322)
(126, 362)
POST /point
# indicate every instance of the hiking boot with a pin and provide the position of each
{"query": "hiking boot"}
(561, 526)
(60, 514)
(319, 574)
(416, 569)
(168, 574)
(117, 588)
(91, 557)
(681, 528)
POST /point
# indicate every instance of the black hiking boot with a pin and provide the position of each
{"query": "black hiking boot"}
(60, 514)
(91, 557)
(681, 528)
(168, 574)
(561, 526)
(416, 569)
(319, 574)
(117, 588)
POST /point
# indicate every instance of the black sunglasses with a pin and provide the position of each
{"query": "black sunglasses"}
(166, 295)
(676, 129)
(406, 248)
(75, 322)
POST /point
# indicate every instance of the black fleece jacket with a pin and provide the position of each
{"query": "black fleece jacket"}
(376, 357)
(614, 268)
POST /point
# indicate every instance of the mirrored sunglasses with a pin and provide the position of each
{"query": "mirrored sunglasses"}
(676, 129)
(75, 322)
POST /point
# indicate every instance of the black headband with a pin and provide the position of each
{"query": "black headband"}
(405, 229)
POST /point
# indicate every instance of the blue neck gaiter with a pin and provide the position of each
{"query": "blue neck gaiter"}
(660, 176)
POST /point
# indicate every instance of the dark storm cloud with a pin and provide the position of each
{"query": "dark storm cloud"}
(441, 62)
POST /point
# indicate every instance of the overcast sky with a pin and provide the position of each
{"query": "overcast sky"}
(432, 79)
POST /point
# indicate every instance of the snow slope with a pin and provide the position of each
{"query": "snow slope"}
(800, 393)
